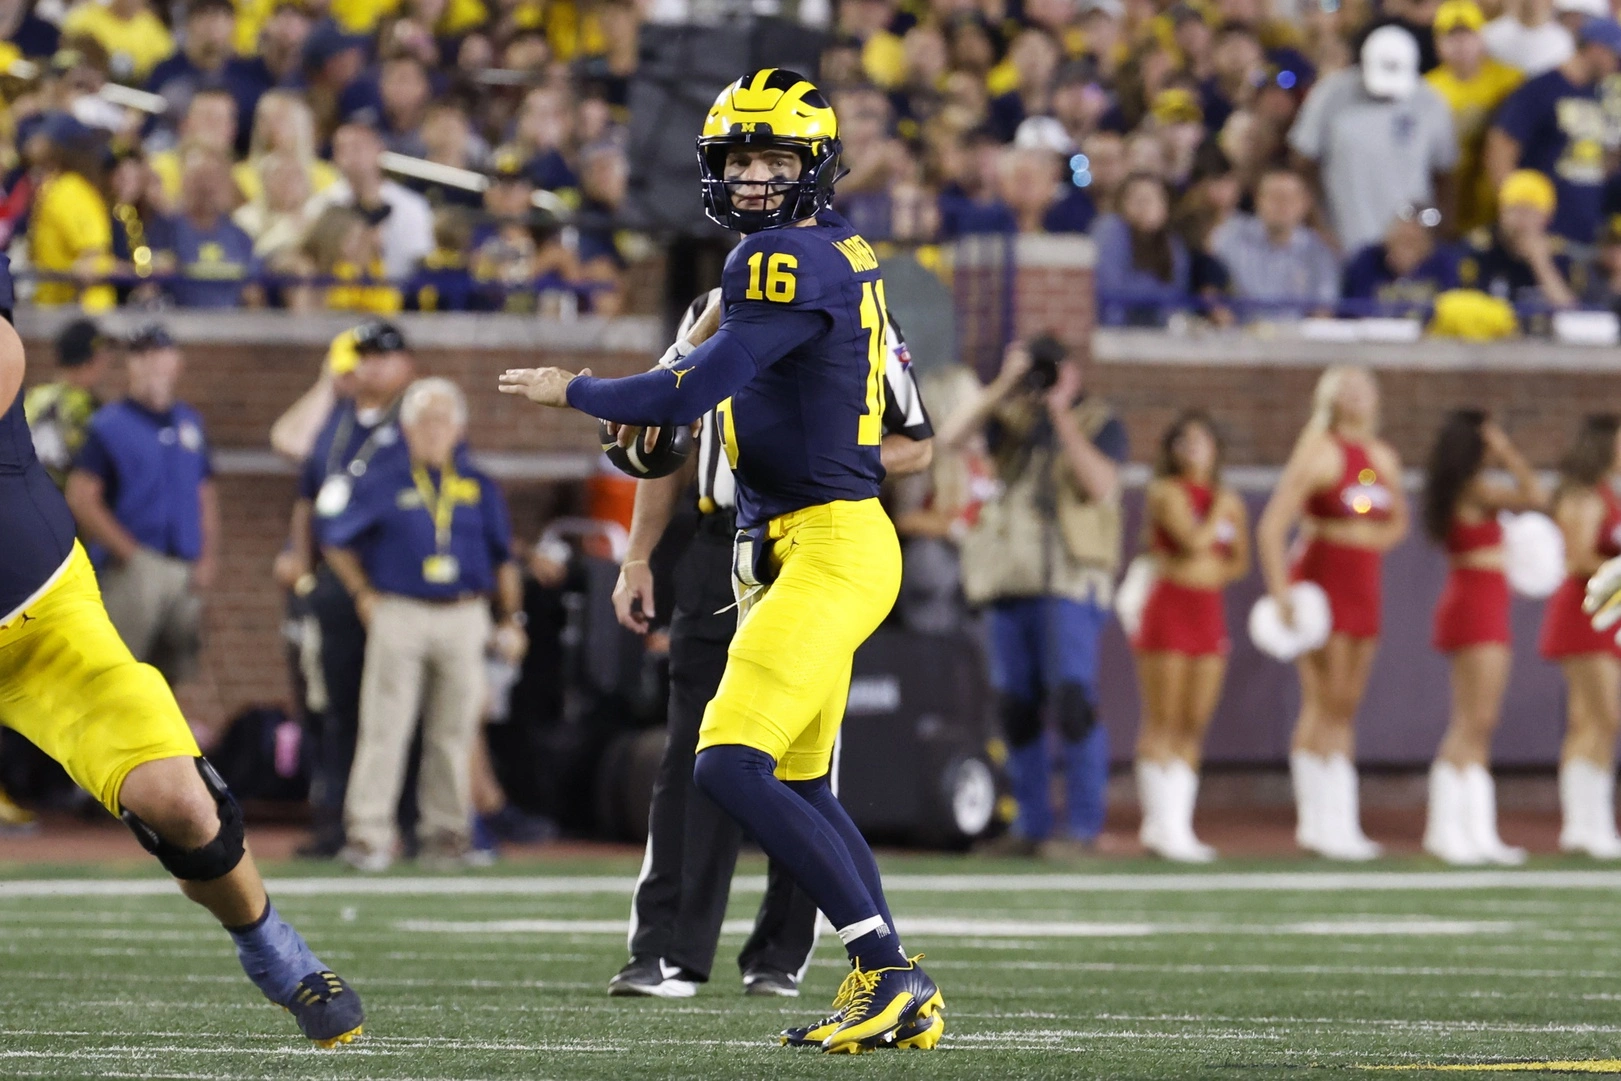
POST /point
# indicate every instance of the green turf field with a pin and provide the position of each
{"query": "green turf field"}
(1118, 970)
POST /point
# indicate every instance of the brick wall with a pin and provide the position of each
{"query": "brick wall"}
(243, 371)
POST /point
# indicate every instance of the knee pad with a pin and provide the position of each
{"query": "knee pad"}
(218, 857)
(1021, 719)
(1077, 716)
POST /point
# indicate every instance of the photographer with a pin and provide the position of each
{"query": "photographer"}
(1042, 558)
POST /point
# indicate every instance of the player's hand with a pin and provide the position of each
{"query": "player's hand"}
(1603, 600)
(633, 596)
(547, 386)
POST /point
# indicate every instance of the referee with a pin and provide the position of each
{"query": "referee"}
(692, 845)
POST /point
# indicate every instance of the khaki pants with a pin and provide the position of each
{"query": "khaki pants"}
(150, 602)
(428, 659)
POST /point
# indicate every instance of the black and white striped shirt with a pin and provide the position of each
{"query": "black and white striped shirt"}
(903, 414)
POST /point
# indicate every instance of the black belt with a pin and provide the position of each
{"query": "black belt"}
(720, 523)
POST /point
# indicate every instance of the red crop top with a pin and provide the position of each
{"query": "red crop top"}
(1203, 500)
(1360, 493)
(1465, 537)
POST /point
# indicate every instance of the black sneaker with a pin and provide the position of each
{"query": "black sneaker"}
(652, 977)
(768, 982)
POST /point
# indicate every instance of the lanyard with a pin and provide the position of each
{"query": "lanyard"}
(358, 462)
(441, 504)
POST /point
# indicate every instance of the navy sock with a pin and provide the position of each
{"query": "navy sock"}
(274, 955)
(880, 948)
(793, 832)
(819, 794)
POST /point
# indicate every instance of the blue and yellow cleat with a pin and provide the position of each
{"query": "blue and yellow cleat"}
(327, 1010)
(888, 1007)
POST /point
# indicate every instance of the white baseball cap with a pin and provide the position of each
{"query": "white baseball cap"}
(1390, 63)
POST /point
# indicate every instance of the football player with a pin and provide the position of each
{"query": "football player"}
(795, 374)
(69, 684)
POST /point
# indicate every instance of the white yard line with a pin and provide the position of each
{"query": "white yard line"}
(1005, 928)
(588, 885)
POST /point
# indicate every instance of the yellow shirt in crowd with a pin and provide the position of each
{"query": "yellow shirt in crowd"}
(135, 45)
(1473, 101)
(69, 221)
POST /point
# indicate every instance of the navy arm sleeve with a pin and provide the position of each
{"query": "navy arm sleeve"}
(754, 336)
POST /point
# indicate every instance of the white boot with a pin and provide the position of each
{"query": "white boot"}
(1182, 793)
(1151, 799)
(1307, 777)
(1480, 803)
(1574, 825)
(1447, 833)
(1343, 836)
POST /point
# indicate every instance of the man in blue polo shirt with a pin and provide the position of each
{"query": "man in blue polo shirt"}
(422, 546)
(142, 491)
(355, 431)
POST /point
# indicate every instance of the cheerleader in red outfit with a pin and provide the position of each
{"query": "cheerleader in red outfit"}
(1589, 515)
(1199, 539)
(1461, 503)
(1342, 484)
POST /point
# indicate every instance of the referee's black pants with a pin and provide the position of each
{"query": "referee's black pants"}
(692, 844)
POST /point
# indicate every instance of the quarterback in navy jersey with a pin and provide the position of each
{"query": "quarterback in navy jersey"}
(795, 373)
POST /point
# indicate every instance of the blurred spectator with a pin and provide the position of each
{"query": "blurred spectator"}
(1176, 119)
(604, 172)
(275, 51)
(283, 124)
(1237, 68)
(212, 257)
(448, 139)
(969, 198)
(209, 124)
(1079, 101)
(142, 490)
(140, 220)
(1031, 63)
(69, 227)
(1404, 274)
(1105, 154)
(1604, 287)
(277, 218)
(1143, 267)
(1518, 261)
(1375, 138)
(133, 35)
(1528, 38)
(59, 412)
(343, 247)
(402, 96)
(444, 281)
(1473, 85)
(423, 546)
(1031, 188)
(1273, 258)
(207, 61)
(32, 36)
(332, 60)
(1573, 15)
(524, 267)
(1556, 125)
(543, 137)
(510, 195)
(1417, 18)
(404, 221)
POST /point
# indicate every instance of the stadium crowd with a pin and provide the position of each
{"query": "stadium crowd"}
(1231, 159)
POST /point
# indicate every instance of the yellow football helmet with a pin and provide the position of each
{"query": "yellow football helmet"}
(772, 107)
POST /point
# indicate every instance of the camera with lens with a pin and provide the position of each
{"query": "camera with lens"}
(1046, 354)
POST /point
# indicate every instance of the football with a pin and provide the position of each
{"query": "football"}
(670, 450)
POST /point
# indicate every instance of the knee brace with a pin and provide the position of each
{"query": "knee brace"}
(1076, 714)
(1021, 719)
(218, 857)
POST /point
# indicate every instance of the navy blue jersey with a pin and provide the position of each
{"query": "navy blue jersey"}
(37, 535)
(807, 429)
(1564, 134)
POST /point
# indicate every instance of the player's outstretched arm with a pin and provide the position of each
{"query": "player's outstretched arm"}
(753, 338)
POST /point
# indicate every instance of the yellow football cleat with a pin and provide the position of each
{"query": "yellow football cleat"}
(886, 1006)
